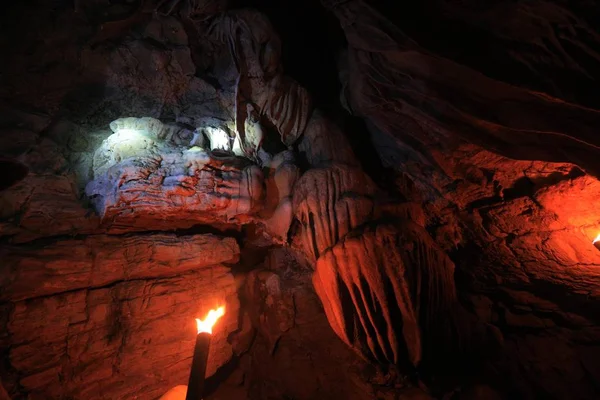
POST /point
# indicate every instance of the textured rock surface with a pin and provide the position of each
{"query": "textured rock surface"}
(383, 292)
(255, 49)
(329, 203)
(113, 318)
(382, 286)
(46, 202)
(455, 96)
(308, 361)
(448, 101)
(519, 231)
(42, 205)
(145, 179)
(146, 176)
(283, 173)
(271, 311)
(30, 271)
(324, 143)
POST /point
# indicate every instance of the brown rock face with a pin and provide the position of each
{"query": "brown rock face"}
(438, 95)
(271, 311)
(100, 316)
(308, 360)
(382, 286)
(35, 271)
(329, 203)
(460, 123)
(467, 175)
(41, 206)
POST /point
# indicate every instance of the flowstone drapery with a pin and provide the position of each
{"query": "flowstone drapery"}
(207, 137)
(382, 280)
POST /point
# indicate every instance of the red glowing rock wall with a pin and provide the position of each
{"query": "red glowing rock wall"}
(487, 195)
(113, 317)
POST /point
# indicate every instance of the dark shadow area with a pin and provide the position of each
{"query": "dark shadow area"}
(452, 30)
(556, 177)
(525, 187)
(11, 173)
(213, 382)
(311, 39)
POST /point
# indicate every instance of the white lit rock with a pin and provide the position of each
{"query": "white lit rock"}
(144, 179)
(218, 139)
(151, 128)
(253, 133)
(244, 143)
(282, 177)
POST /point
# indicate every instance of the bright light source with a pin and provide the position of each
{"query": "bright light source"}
(127, 132)
(145, 126)
(219, 139)
(126, 135)
(207, 324)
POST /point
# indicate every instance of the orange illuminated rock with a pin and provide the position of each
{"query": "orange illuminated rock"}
(330, 202)
(386, 290)
(98, 261)
(177, 393)
(123, 308)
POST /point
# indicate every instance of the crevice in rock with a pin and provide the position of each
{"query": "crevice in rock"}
(109, 285)
(232, 231)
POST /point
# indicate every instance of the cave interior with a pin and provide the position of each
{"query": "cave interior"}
(390, 200)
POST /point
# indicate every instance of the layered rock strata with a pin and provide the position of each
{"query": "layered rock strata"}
(112, 317)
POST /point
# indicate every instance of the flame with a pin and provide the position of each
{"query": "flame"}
(597, 239)
(210, 320)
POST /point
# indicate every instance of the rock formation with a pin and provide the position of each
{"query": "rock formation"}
(143, 167)
(95, 318)
(529, 224)
(159, 160)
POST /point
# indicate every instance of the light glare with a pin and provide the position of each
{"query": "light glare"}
(219, 139)
(207, 324)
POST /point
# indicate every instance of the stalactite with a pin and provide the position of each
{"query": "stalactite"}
(400, 286)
